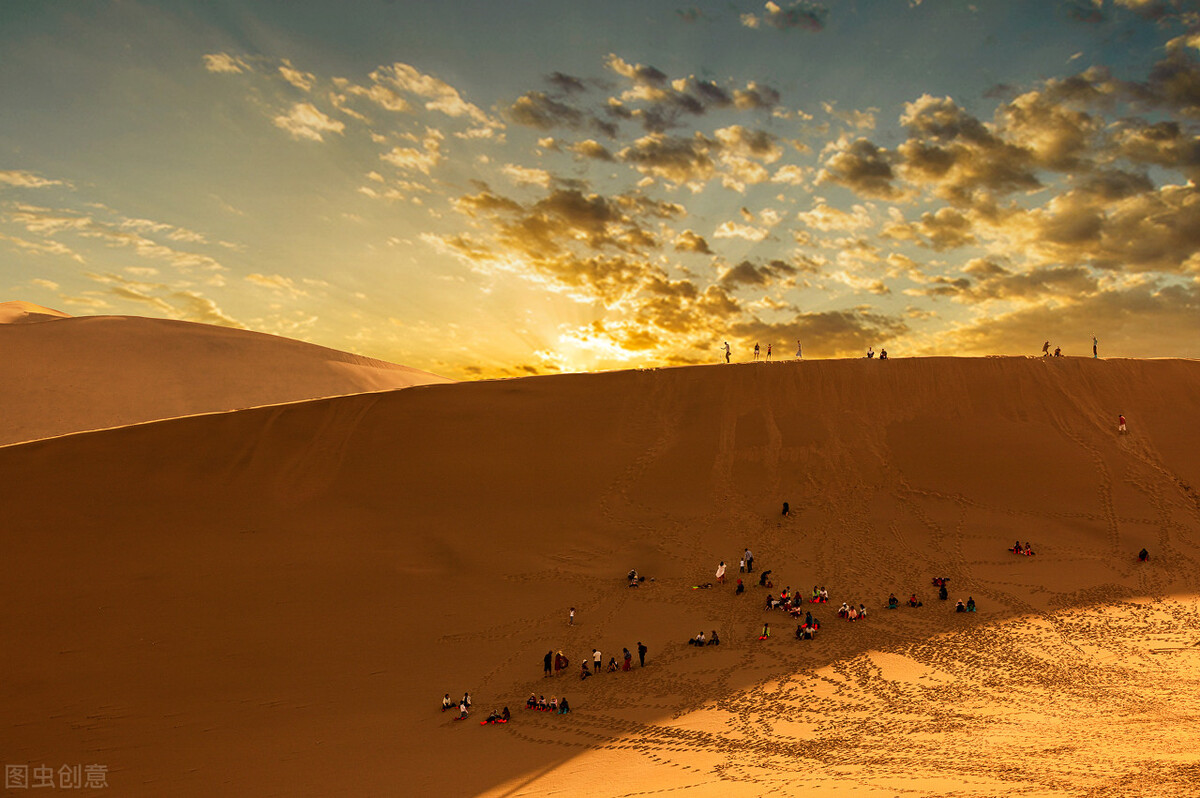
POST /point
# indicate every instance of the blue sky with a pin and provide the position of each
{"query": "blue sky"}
(483, 189)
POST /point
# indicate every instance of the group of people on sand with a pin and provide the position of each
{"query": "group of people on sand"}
(1027, 551)
(625, 665)
(852, 613)
(968, 607)
(808, 629)
(463, 706)
(758, 350)
(871, 353)
(556, 661)
(539, 703)
(700, 640)
(1058, 349)
(913, 601)
(789, 602)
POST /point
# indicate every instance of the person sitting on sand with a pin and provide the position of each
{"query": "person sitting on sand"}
(970, 604)
(808, 619)
(852, 614)
(1058, 351)
(844, 610)
(714, 640)
(584, 672)
(505, 716)
(447, 703)
(893, 602)
(552, 706)
(698, 640)
(740, 588)
(1028, 550)
(1143, 555)
(943, 594)
(771, 603)
(492, 717)
(783, 594)
(766, 632)
(824, 597)
(563, 706)
(862, 610)
(786, 510)
(612, 664)
(1016, 548)
(959, 607)
(633, 578)
(913, 601)
(462, 711)
(531, 702)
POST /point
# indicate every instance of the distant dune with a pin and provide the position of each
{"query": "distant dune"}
(274, 601)
(97, 372)
(25, 312)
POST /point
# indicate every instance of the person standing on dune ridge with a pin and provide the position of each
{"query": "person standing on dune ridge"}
(798, 350)
(1095, 343)
(726, 351)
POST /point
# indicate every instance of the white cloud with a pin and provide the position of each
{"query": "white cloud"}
(441, 96)
(42, 247)
(735, 230)
(824, 217)
(224, 62)
(278, 283)
(789, 174)
(306, 121)
(23, 179)
(301, 80)
(524, 176)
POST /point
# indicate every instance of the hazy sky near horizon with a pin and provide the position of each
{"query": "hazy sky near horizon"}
(482, 189)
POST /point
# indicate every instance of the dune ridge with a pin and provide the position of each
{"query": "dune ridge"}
(98, 372)
(20, 312)
(279, 609)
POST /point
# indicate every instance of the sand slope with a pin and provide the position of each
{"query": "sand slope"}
(108, 371)
(18, 312)
(272, 602)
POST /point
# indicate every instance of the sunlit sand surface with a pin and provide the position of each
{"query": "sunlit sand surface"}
(273, 601)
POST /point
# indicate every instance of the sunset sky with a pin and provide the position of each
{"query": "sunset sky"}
(486, 189)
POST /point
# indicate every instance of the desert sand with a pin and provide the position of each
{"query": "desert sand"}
(63, 374)
(273, 601)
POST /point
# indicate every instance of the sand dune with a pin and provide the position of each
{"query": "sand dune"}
(97, 372)
(273, 601)
(18, 312)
